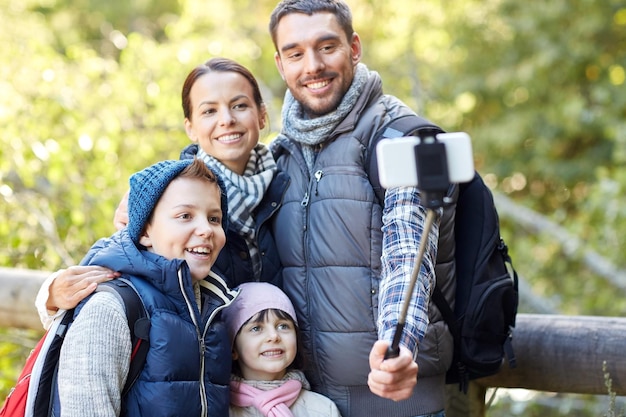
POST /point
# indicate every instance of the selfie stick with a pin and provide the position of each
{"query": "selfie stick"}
(394, 349)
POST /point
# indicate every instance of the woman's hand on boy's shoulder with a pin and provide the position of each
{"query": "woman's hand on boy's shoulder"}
(120, 219)
(73, 284)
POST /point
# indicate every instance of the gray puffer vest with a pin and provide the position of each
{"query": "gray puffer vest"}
(329, 229)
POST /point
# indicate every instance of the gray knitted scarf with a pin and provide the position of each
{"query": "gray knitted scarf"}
(245, 192)
(310, 132)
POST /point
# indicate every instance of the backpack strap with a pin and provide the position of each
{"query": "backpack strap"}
(407, 125)
(42, 403)
(450, 319)
(138, 323)
(508, 344)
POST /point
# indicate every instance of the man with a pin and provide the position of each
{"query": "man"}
(332, 231)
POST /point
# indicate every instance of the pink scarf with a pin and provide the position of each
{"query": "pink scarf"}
(272, 403)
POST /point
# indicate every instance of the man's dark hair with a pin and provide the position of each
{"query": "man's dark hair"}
(310, 7)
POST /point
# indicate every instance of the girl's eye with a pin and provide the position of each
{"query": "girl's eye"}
(184, 216)
(215, 220)
(284, 326)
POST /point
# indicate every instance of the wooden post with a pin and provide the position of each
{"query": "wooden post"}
(17, 298)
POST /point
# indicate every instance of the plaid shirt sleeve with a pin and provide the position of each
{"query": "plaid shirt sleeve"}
(403, 225)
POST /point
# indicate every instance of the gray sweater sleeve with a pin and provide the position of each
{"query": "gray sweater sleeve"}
(95, 358)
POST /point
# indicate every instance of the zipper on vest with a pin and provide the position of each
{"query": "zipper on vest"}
(318, 176)
(305, 200)
(307, 197)
(203, 366)
(201, 343)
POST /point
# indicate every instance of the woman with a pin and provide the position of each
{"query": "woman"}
(224, 114)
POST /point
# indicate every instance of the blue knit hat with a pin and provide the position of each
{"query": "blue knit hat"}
(147, 187)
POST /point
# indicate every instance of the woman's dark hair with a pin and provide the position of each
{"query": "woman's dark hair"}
(219, 65)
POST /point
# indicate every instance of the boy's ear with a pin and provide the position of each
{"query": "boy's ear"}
(145, 240)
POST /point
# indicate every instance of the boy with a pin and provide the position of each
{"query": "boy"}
(174, 235)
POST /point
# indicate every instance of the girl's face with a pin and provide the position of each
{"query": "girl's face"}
(225, 121)
(187, 224)
(265, 349)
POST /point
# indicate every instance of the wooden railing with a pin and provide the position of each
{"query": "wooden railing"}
(567, 354)
(555, 353)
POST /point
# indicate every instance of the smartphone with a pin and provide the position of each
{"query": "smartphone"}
(398, 158)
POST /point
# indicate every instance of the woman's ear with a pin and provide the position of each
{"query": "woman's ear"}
(262, 116)
(189, 130)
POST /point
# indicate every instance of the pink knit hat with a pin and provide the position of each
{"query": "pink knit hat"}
(253, 298)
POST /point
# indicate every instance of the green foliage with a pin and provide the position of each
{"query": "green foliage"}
(15, 345)
(539, 87)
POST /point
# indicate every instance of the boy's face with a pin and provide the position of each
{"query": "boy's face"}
(265, 349)
(316, 60)
(187, 224)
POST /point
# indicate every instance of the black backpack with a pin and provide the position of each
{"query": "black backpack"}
(486, 290)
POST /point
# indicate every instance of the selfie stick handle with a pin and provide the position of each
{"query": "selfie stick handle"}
(394, 349)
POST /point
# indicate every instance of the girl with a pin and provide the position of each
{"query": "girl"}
(264, 334)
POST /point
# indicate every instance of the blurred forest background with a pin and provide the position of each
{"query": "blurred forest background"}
(90, 93)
